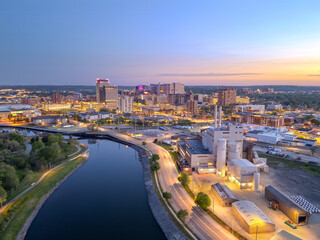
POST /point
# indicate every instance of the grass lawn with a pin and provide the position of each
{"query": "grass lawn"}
(275, 161)
(24, 184)
(17, 214)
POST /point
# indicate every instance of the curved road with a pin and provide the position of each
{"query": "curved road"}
(200, 222)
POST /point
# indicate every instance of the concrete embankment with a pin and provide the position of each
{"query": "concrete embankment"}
(32, 216)
(169, 228)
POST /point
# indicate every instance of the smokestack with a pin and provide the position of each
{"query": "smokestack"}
(215, 116)
(220, 115)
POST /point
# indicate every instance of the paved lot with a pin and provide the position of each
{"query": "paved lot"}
(276, 178)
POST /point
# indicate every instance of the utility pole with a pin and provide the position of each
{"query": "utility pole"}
(257, 233)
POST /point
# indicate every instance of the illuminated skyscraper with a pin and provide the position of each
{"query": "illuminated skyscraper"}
(107, 94)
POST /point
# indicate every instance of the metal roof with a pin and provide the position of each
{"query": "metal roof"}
(285, 199)
(251, 213)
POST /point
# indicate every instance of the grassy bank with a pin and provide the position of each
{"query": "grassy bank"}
(28, 177)
(13, 218)
(275, 161)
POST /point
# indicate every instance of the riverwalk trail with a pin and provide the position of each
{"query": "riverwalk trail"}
(84, 154)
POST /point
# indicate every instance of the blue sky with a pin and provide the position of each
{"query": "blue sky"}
(131, 42)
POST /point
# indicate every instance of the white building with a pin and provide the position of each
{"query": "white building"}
(250, 108)
(274, 106)
(126, 104)
(232, 133)
(243, 173)
(271, 137)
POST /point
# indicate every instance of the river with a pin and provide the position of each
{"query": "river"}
(105, 199)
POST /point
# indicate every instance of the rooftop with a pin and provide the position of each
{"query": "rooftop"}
(195, 147)
(243, 163)
(285, 199)
(251, 213)
(223, 191)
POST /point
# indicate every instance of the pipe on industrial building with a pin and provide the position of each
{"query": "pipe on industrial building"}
(220, 116)
(215, 116)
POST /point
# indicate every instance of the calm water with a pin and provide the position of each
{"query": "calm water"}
(105, 199)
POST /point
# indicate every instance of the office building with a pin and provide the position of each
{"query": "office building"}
(107, 94)
(178, 88)
(56, 98)
(192, 107)
(125, 104)
(100, 89)
(227, 97)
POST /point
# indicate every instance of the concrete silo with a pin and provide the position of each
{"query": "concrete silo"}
(221, 157)
(234, 150)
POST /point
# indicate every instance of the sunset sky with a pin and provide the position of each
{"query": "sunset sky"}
(197, 42)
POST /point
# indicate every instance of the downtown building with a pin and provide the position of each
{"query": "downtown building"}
(107, 94)
(192, 107)
(227, 97)
(125, 104)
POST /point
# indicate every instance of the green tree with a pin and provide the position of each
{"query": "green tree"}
(184, 179)
(50, 153)
(19, 162)
(202, 200)
(155, 157)
(155, 166)
(167, 195)
(8, 176)
(19, 138)
(182, 214)
(37, 145)
(3, 195)
(144, 143)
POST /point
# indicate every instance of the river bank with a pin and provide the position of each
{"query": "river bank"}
(25, 207)
(29, 220)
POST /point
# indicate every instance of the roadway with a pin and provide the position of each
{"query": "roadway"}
(198, 221)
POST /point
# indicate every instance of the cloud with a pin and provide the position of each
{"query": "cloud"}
(205, 74)
(313, 75)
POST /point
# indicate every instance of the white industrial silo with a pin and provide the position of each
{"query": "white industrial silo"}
(221, 157)
(256, 181)
(234, 151)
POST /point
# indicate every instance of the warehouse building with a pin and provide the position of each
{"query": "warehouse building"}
(50, 119)
(223, 194)
(251, 218)
(292, 210)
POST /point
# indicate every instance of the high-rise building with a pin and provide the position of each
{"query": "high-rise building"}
(56, 98)
(111, 97)
(125, 104)
(178, 88)
(227, 97)
(166, 88)
(100, 89)
(107, 94)
(155, 88)
(192, 107)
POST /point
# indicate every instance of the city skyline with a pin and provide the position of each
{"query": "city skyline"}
(207, 43)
